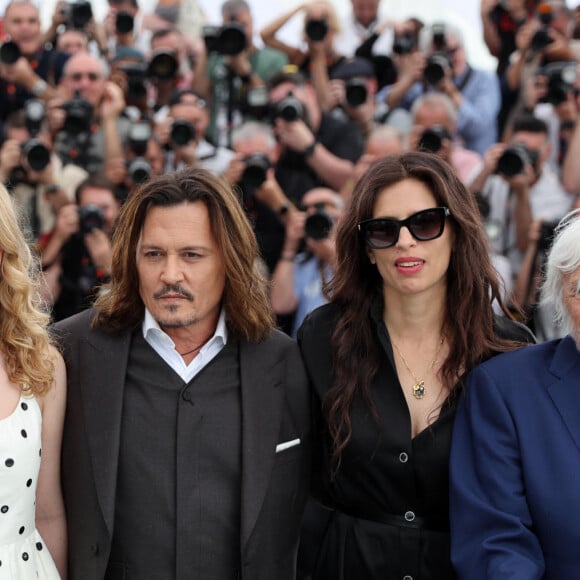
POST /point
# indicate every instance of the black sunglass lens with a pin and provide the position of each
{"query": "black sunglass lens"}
(427, 225)
(383, 234)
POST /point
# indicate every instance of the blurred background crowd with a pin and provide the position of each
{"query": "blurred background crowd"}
(95, 99)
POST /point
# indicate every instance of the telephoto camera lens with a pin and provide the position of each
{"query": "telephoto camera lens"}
(91, 217)
(318, 225)
(255, 171)
(163, 65)
(9, 53)
(513, 160)
(316, 30)
(355, 92)
(124, 23)
(232, 39)
(37, 154)
(182, 132)
(139, 170)
(289, 109)
(435, 68)
(431, 139)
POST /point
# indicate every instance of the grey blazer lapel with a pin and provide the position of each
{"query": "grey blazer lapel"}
(102, 370)
(565, 392)
(262, 400)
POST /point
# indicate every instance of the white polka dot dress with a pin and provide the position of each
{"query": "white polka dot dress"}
(23, 555)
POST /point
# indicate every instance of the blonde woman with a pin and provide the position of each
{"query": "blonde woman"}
(32, 404)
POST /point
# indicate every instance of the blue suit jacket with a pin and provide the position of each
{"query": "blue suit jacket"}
(515, 467)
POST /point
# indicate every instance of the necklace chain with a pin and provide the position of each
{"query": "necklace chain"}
(419, 389)
(193, 350)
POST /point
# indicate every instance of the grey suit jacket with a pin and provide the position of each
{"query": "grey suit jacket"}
(275, 409)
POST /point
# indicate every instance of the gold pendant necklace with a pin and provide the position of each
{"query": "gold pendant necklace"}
(419, 389)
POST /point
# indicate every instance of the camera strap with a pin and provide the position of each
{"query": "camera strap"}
(460, 86)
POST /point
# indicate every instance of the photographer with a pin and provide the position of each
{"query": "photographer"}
(33, 174)
(300, 276)
(441, 65)
(87, 123)
(77, 256)
(519, 186)
(228, 66)
(27, 69)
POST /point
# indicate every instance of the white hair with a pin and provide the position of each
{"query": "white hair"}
(563, 259)
(251, 130)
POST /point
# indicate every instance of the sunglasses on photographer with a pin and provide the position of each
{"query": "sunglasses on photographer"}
(425, 225)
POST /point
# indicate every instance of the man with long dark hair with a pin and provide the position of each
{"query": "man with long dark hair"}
(187, 445)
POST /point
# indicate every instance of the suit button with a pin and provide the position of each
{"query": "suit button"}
(94, 549)
(403, 457)
(187, 395)
(409, 516)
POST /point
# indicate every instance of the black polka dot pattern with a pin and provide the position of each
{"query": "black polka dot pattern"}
(25, 556)
(21, 530)
(29, 483)
(9, 462)
(4, 509)
(24, 433)
(39, 546)
(24, 406)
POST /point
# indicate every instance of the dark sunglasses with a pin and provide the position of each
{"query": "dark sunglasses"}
(428, 224)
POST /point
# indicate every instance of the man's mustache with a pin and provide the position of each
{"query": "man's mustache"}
(173, 289)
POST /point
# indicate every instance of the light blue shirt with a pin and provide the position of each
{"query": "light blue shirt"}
(165, 347)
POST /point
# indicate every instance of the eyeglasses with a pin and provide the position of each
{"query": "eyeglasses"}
(425, 225)
(77, 76)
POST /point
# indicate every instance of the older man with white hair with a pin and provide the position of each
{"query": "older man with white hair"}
(515, 460)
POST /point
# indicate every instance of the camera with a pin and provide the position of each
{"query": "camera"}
(514, 158)
(355, 91)
(124, 23)
(542, 38)
(36, 153)
(318, 225)
(255, 171)
(9, 52)
(316, 30)
(404, 43)
(561, 78)
(229, 39)
(91, 217)
(288, 109)
(438, 36)
(139, 170)
(139, 135)
(182, 132)
(431, 140)
(163, 65)
(79, 114)
(78, 14)
(435, 68)
(136, 74)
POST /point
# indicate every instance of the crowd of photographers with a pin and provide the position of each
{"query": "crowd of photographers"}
(90, 109)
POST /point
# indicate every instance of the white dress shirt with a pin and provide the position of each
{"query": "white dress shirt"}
(165, 347)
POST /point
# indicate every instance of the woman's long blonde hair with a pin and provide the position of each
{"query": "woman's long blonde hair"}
(24, 338)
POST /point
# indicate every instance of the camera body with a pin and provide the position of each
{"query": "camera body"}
(256, 168)
(182, 132)
(318, 224)
(289, 109)
(561, 78)
(163, 65)
(91, 217)
(79, 114)
(78, 14)
(405, 43)
(229, 39)
(514, 159)
(431, 139)
(542, 37)
(356, 92)
(316, 29)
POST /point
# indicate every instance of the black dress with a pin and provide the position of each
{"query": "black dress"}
(390, 496)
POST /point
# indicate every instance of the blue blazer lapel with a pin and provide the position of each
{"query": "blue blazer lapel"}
(262, 400)
(565, 390)
(103, 365)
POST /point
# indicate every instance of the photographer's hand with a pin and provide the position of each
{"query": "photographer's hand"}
(235, 169)
(99, 247)
(21, 73)
(10, 156)
(294, 134)
(271, 194)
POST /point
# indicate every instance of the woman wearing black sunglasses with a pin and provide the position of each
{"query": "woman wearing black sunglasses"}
(409, 314)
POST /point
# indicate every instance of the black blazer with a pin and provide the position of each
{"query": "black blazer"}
(275, 409)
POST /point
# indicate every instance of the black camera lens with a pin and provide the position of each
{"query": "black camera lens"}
(316, 30)
(289, 109)
(182, 132)
(355, 92)
(139, 170)
(139, 135)
(37, 154)
(404, 43)
(435, 68)
(124, 23)
(438, 36)
(514, 158)
(255, 171)
(80, 14)
(163, 65)
(431, 139)
(34, 111)
(9, 53)
(232, 39)
(79, 113)
(91, 217)
(318, 225)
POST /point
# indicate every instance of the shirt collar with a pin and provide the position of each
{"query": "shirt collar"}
(151, 325)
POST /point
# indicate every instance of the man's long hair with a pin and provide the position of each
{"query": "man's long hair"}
(245, 296)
